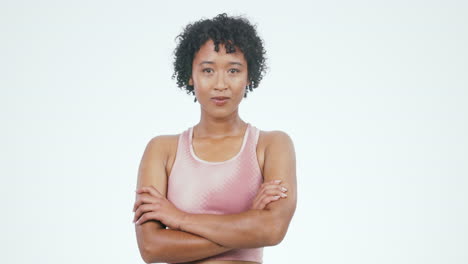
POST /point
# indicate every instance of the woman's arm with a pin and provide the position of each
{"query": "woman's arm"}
(253, 228)
(165, 245)
(157, 244)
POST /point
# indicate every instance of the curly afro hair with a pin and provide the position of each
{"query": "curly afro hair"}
(232, 32)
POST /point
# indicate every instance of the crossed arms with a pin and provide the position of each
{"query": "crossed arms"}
(197, 236)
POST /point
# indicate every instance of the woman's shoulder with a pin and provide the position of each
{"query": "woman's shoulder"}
(167, 138)
(159, 146)
(165, 142)
(268, 137)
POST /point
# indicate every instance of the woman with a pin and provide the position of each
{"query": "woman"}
(221, 190)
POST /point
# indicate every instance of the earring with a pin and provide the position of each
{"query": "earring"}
(247, 89)
(193, 93)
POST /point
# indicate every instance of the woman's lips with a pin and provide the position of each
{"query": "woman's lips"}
(220, 102)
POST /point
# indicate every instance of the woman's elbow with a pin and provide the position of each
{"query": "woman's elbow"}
(276, 231)
(152, 254)
(146, 256)
(151, 250)
(275, 236)
(146, 253)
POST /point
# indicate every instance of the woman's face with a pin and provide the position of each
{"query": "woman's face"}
(219, 74)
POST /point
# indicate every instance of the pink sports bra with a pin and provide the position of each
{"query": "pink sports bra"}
(227, 187)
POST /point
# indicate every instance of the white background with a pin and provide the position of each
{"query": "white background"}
(373, 93)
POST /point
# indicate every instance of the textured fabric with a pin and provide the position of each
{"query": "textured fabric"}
(227, 187)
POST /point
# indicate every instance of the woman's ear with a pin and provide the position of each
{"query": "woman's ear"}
(190, 82)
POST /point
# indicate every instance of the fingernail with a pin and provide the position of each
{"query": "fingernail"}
(276, 197)
(283, 189)
(284, 195)
(277, 181)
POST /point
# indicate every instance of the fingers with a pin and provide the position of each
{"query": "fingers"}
(268, 196)
(274, 189)
(144, 209)
(270, 182)
(145, 217)
(269, 192)
(144, 199)
(267, 200)
(150, 190)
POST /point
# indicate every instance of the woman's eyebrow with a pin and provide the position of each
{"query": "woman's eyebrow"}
(208, 62)
(237, 63)
(212, 62)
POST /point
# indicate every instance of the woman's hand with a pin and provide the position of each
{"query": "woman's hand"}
(268, 192)
(152, 205)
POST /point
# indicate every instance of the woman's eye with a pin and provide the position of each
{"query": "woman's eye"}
(233, 70)
(208, 70)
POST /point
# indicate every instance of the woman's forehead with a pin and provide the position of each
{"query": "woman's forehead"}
(207, 53)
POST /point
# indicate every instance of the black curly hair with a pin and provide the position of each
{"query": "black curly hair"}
(232, 32)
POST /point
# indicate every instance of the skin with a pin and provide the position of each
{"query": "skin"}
(194, 237)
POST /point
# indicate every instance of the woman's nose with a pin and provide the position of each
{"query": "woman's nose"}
(221, 83)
